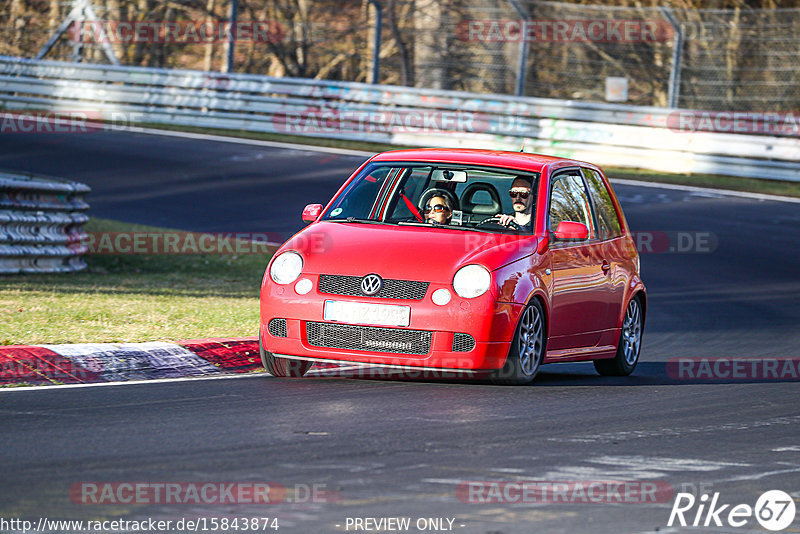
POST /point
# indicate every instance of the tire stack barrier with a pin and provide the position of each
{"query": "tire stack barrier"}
(41, 224)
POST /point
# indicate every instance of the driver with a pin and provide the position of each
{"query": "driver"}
(438, 210)
(522, 199)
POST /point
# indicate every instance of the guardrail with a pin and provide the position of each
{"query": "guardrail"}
(41, 224)
(607, 134)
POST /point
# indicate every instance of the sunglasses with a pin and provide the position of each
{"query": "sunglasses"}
(521, 194)
(438, 208)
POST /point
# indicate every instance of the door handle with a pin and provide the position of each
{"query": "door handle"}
(606, 266)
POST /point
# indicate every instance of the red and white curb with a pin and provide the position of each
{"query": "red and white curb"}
(116, 362)
(107, 363)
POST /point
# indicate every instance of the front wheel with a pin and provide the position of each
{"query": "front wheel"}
(527, 349)
(282, 367)
(630, 343)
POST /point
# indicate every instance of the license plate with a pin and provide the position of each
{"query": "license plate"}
(370, 314)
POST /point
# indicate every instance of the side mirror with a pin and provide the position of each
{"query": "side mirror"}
(571, 230)
(311, 212)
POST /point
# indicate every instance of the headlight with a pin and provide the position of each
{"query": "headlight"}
(471, 281)
(286, 268)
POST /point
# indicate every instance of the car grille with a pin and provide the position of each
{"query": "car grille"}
(372, 338)
(463, 342)
(335, 284)
(277, 327)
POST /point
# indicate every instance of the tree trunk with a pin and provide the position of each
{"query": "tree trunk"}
(54, 15)
(17, 22)
(208, 56)
(406, 65)
(113, 15)
(142, 12)
(301, 31)
(430, 50)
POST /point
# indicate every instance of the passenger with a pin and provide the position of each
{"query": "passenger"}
(439, 210)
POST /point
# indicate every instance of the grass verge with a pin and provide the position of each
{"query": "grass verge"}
(131, 298)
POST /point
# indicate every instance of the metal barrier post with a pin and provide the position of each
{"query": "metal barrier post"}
(674, 91)
(231, 44)
(376, 51)
(522, 59)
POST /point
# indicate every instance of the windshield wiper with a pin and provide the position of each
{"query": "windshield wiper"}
(418, 224)
(428, 225)
(357, 220)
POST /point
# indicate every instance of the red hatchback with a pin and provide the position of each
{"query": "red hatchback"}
(458, 260)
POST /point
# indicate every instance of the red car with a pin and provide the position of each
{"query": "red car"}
(490, 263)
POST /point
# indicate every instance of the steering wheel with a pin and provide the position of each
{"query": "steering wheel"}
(496, 221)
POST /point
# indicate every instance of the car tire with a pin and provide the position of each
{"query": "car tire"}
(527, 348)
(282, 367)
(629, 345)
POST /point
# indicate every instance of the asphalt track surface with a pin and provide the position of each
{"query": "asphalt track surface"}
(400, 448)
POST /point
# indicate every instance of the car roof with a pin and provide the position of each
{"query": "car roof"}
(493, 158)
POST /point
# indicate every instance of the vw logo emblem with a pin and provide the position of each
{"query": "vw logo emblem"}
(371, 284)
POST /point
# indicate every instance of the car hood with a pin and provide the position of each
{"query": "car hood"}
(403, 252)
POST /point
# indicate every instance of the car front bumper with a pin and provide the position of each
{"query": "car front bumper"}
(490, 324)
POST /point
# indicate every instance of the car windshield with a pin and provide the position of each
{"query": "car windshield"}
(433, 194)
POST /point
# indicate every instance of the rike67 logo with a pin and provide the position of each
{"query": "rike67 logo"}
(774, 510)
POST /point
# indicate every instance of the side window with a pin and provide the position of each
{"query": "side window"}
(413, 185)
(608, 225)
(570, 202)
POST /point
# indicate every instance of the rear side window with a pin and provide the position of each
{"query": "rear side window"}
(414, 185)
(570, 202)
(608, 225)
